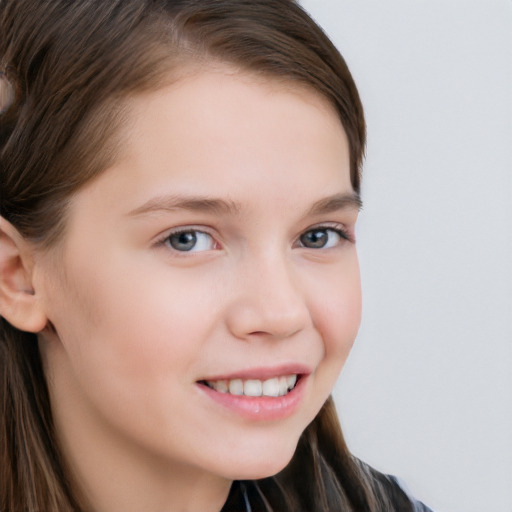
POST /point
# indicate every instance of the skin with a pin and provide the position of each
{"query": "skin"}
(136, 323)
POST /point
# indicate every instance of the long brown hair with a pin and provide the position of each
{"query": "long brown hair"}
(66, 67)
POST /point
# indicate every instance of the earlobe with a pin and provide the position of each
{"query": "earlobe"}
(19, 301)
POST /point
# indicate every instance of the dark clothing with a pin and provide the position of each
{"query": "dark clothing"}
(389, 493)
(404, 499)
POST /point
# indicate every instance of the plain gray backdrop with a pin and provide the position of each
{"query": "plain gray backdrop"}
(427, 392)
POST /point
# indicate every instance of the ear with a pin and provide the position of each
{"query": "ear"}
(19, 302)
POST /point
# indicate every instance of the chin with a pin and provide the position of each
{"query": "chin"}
(262, 463)
(257, 472)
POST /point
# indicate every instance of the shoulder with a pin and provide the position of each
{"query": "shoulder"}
(389, 492)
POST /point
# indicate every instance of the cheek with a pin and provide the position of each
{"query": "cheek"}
(338, 313)
(127, 325)
(122, 338)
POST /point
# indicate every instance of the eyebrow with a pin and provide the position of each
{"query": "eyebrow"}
(331, 204)
(200, 204)
(203, 204)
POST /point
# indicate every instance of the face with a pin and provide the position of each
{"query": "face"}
(209, 271)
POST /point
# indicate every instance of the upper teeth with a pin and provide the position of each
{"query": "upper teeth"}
(276, 386)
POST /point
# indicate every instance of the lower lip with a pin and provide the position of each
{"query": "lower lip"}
(260, 408)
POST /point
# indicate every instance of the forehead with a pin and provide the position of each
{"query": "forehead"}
(223, 110)
(199, 90)
(228, 134)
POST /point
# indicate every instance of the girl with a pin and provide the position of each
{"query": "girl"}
(180, 288)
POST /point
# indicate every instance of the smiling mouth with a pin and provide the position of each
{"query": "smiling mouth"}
(273, 387)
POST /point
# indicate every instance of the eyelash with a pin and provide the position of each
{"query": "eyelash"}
(337, 228)
(163, 242)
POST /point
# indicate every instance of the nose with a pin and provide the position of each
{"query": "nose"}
(268, 301)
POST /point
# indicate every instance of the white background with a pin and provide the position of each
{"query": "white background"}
(427, 392)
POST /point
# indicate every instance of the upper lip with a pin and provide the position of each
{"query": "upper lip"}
(263, 373)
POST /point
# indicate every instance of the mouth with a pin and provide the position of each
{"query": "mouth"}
(273, 387)
(259, 394)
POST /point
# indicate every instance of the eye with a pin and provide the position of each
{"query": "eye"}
(190, 240)
(322, 238)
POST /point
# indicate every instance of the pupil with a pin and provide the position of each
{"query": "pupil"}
(183, 241)
(315, 239)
